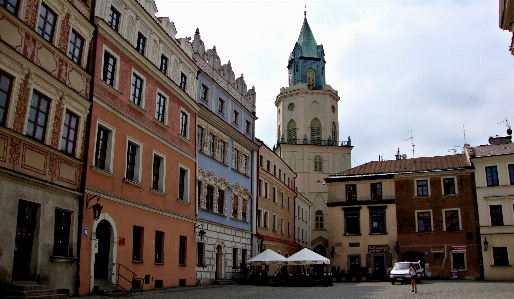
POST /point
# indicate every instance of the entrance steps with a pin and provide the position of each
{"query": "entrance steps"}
(31, 289)
(105, 288)
(224, 282)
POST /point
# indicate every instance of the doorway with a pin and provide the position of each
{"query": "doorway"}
(321, 250)
(103, 236)
(25, 228)
(219, 263)
(379, 269)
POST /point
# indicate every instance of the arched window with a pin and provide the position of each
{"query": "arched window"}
(315, 131)
(311, 79)
(291, 132)
(334, 132)
(318, 164)
(319, 220)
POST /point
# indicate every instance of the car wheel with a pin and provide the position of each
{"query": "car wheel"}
(392, 282)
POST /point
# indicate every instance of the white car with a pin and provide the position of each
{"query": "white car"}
(400, 272)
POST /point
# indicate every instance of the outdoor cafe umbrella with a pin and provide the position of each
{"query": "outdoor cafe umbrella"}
(267, 257)
(307, 257)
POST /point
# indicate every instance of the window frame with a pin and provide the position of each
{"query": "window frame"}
(352, 223)
(139, 98)
(493, 220)
(318, 163)
(445, 220)
(159, 247)
(163, 66)
(200, 254)
(35, 122)
(248, 127)
(182, 251)
(161, 111)
(424, 193)
(73, 47)
(42, 31)
(235, 116)
(510, 169)
(444, 186)
(183, 81)
(377, 211)
(141, 43)
(375, 190)
(138, 146)
(320, 220)
(63, 233)
(113, 82)
(9, 7)
(183, 179)
(114, 18)
(204, 93)
(137, 243)
(4, 108)
(184, 126)
(431, 229)
(453, 259)
(351, 193)
(221, 106)
(500, 260)
(65, 140)
(161, 172)
(492, 177)
(109, 147)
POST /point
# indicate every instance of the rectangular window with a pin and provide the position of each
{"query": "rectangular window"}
(351, 192)
(101, 149)
(234, 258)
(496, 215)
(221, 106)
(114, 18)
(5, 96)
(137, 244)
(199, 138)
(282, 199)
(243, 210)
(141, 43)
(136, 92)
(354, 262)
(274, 195)
(69, 133)
(221, 201)
(159, 241)
(75, 47)
(268, 165)
(511, 173)
(109, 69)
(209, 198)
(204, 93)
(248, 127)
(10, 5)
(320, 223)
(274, 222)
(243, 257)
(266, 218)
(266, 189)
(288, 228)
(259, 217)
(164, 64)
(38, 115)
(377, 218)
(424, 220)
(235, 203)
(182, 250)
(459, 260)
(183, 124)
(182, 185)
(236, 159)
(422, 187)
(131, 161)
(376, 190)
(222, 147)
(451, 220)
(491, 173)
(449, 186)
(200, 254)
(500, 256)
(352, 221)
(158, 173)
(282, 225)
(260, 161)
(183, 81)
(210, 145)
(236, 118)
(46, 23)
(160, 108)
(62, 233)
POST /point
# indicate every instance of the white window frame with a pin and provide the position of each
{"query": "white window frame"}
(109, 159)
(186, 183)
(137, 166)
(282, 225)
(274, 222)
(162, 171)
(265, 224)
(431, 220)
(221, 106)
(165, 108)
(188, 123)
(416, 187)
(444, 218)
(143, 89)
(235, 117)
(117, 68)
(259, 217)
(442, 185)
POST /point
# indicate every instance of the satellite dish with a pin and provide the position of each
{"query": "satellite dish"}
(404, 156)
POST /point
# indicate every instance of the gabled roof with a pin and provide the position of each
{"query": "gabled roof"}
(492, 150)
(423, 164)
(307, 41)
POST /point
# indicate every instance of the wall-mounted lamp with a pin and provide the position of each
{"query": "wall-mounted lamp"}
(319, 182)
(97, 208)
(486, 244)
(201, 233)
(397, 247)
(332, 252)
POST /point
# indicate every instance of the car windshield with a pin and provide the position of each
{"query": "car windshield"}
(401, 266)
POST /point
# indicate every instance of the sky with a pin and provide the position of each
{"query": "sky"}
(433, 74)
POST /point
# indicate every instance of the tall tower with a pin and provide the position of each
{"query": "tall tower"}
(308, 130)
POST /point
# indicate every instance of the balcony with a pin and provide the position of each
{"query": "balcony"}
(305, 141)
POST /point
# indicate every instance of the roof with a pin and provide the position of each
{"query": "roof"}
(307, 41)
(422, 164)
(492, 150)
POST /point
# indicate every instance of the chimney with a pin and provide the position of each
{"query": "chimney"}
(497, 140)
(398, 156)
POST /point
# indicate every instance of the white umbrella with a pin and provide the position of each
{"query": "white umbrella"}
(266, 257)
(307, 257)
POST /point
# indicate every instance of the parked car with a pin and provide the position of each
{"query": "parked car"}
(400, 272)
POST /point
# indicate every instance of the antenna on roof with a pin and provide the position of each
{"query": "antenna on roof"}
(409, 130)
(509, 130)
(464, 132)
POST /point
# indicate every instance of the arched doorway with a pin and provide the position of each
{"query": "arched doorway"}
(219, 262)
(102, 257)
(321, 250)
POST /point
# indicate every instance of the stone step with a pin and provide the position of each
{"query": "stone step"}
(29, 293)
(54, 296)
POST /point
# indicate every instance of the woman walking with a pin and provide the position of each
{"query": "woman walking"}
(414, 276)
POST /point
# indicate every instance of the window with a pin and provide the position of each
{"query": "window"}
(451, 220)
(511, 173)
(334, 129)
(422, 187)
(221, 106)
(280, 174)
(38, 114)
(291, 132)
(5, 95)
(248, 127)
(459, 260)
(259, 187)
(234, 258)
(274, 195)
(10, 5)
(46, 23)
(377, 220)
(424, 221)
(222, 148)
(160, 108)
(235, 206)
(449, 186)
(352, 221)
(243, 256)
(266, 189)
(62, 233)
(282, 225)
(319, 220)
(491, 173)
(182, 185)
(164, 64)
(131, 161)
(236, 118)
(268, 166)
(266, 216)
(109, 69)
(103, 148)
(376, 190)
(183, 81)
(351, 192)
(200, 253)
(288, 228)
(259, 218)
(209, 198)
(204, 93)
(260, 161)
(235, 155)
(282, 199)
(496, 215)
(199, 138)
(315, 131)
(159, 241)
(311, 79)
(69, 133)
(75, 47)
(137, 244)
(318, 164)
(274, 222)
(141, 43)
(500, 256)
(354, 262)
(221, 201)
(183, 124)
(210, 145)
(114, 18)
(158, 173)
(136, 92)
(182, 250)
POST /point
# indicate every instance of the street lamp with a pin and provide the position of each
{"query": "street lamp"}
(486, 244)
(97, 207)
(201, 233)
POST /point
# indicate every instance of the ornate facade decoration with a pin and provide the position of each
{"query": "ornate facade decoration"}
(218, 184)
(242, 195)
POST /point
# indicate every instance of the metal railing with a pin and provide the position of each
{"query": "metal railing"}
(128, 277)
(314, 142)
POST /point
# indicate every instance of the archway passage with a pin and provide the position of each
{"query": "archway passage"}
(25, 228)
(103, 235)
(321, 250)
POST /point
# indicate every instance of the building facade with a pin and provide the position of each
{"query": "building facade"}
(275, 204)
(44, 103)
(226, 151)
(303, 221)
(142, 163)
(494, 179)
(507, 20)
(308, 128)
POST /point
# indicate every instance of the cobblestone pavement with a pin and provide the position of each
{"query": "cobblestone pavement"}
(428, 289)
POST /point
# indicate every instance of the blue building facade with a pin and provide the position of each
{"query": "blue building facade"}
(226, 175)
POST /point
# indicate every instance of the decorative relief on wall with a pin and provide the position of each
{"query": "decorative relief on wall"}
(29, 49)
(208, 178)
(56, 130)
(52, 166)
(65, 33)
(31, 14)
(242, 195)
(21, 105)
(15, 151)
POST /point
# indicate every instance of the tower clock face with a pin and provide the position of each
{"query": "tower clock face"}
(290, 107)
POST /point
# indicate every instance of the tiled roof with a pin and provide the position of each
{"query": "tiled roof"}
(409, 165)
(492, 150)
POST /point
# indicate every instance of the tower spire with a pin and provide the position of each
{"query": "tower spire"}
(305, 12)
